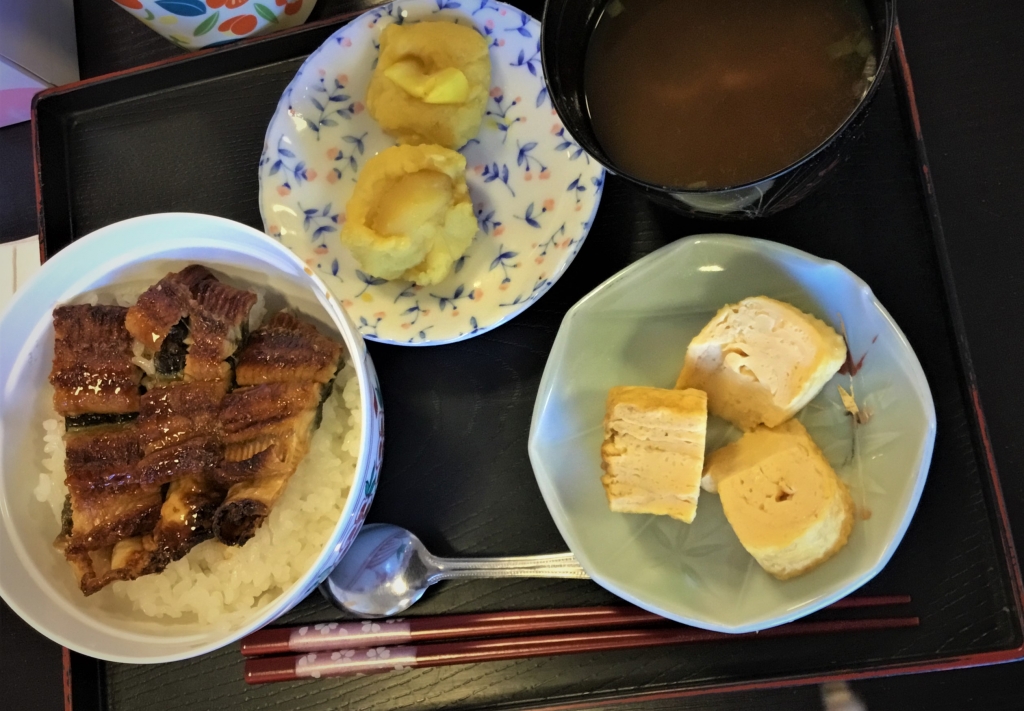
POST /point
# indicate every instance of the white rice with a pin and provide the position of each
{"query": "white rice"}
(215, 583)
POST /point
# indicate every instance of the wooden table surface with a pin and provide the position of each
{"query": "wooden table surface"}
(967, 61)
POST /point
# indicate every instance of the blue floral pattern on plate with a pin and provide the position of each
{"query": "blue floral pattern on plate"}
(534, 190)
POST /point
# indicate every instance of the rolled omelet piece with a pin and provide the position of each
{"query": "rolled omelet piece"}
(431, 83)
(760, 361)
(410, 215)
(782, 498)
(653, 450)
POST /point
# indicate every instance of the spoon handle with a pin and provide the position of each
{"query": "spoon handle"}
(558, 565)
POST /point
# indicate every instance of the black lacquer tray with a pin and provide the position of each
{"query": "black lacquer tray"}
(186, 135)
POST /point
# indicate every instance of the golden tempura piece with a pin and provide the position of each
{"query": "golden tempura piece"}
(410, 215)
(431, 83)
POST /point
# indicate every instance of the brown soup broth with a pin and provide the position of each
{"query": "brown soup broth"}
(718, 93)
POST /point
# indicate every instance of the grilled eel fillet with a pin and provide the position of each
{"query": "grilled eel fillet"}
(185, 416)
(92, 362)
(285, 372)
(266, 430)
(177, 436)
(115, 502)
(160, 307)
(106, 502)
(117, 524)
(286, 349)
(218, 323)
(218, 318)
(95, 383)
(191, 324)
(179, 412)
(198, 443)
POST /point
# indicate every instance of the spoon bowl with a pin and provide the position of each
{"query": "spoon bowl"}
(387, 570)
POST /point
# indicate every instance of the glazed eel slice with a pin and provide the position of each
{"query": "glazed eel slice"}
(178, 412)
(120, 525)
(106, 501)
(218, 324)
(179, 436)
(266, 431)
(188, 325)
(162, 306)
(158, 322)
(184, 416)
(125, 516)
(196, 323)
(287, 350)
(92, 374)
(96, 389)
(286, 370)
(115, 502)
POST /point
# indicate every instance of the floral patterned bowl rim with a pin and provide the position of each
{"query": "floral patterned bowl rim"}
(535, 191)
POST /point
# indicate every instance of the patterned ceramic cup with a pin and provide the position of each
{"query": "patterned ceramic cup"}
(200, 23)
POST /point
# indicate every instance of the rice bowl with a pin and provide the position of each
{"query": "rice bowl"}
(215, 583)
(216, 593)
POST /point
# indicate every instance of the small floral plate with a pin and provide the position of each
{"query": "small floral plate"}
(534, 190)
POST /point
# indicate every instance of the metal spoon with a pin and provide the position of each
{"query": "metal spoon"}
(387, 569)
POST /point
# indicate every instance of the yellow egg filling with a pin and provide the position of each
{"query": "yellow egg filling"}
(431, 83)
(447, 86)
(414, 200)
(410, 215)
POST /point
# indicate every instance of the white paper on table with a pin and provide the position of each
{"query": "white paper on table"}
(18, 262)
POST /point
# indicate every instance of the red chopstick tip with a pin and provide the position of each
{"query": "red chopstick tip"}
(869, 601)
(267, 669)
(267, 641)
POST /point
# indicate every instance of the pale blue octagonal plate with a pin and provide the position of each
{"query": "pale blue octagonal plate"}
(633, 330)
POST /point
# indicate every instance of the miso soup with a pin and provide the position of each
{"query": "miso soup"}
(718, 93)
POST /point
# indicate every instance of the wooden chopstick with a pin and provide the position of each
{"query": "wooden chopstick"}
(374, 633)
(383, 659)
